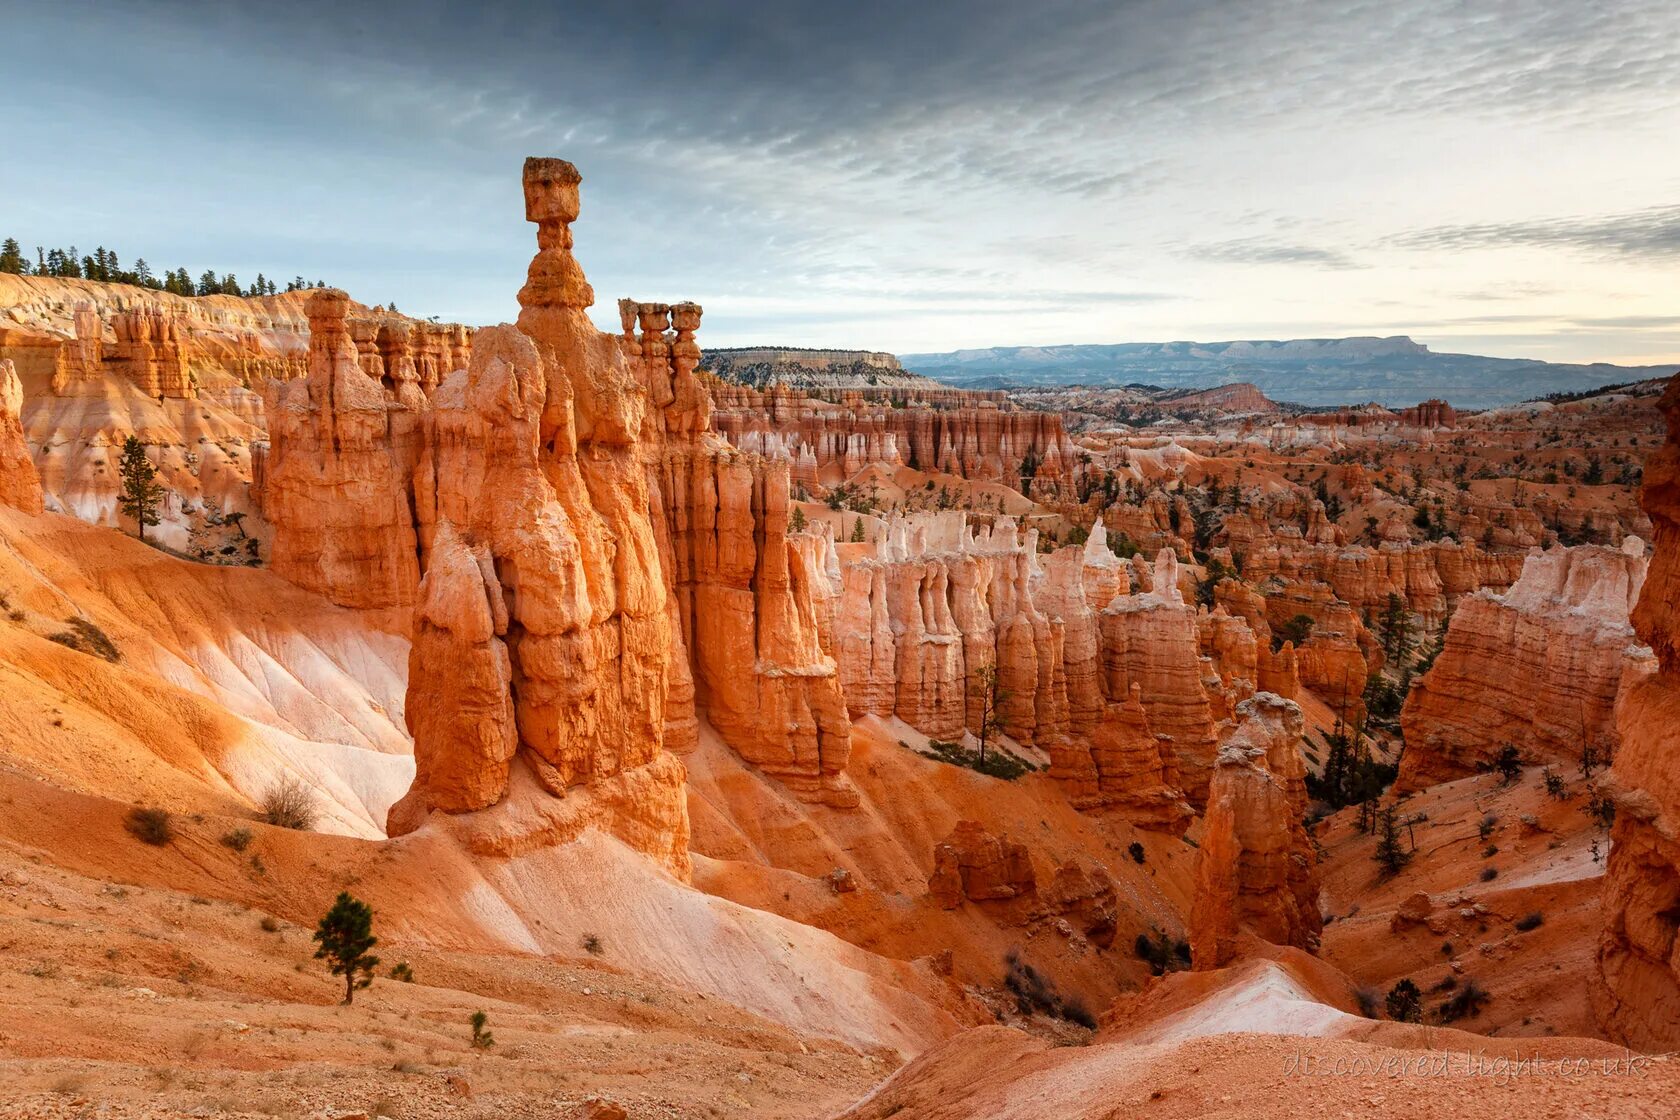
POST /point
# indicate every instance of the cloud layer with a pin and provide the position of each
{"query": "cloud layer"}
(906, 176)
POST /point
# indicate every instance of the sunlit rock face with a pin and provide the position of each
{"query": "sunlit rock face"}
(1538, 667)
(1255, 871)
(1636, 993)
(20, 485)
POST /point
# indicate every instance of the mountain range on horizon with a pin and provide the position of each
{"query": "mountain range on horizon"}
(1393, 371)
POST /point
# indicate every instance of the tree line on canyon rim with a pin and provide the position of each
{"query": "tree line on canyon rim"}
(104, 265)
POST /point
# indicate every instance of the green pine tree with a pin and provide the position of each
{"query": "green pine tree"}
(141, 492)
(11, 258)
(346, 935)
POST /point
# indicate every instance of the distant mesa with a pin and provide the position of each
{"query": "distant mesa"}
(1394, 371)
(761, 366)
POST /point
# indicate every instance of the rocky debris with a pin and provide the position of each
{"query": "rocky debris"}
(1636, 993)
(973, 865)
(1255, 872)
(20, 485)
(1538, 667)
(1415, 910)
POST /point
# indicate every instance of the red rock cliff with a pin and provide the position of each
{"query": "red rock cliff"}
(20, 486)
(1636, 992)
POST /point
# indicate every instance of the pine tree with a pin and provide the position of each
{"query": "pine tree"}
(857, 531)
(796, 523)
(346, 935)
(208, 284)
(11, 258)
(1389, 853)
(991, 699)
(141, 492)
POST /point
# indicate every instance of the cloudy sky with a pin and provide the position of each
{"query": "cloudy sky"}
(1491, 176)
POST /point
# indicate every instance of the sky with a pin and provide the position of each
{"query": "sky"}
(1487, 176)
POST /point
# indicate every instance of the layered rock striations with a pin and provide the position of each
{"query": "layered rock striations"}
(1636, 992)
(544, 603)
(335, 483)
(976, 437)
(1255, 870)
(20, 485)
(1537, 668)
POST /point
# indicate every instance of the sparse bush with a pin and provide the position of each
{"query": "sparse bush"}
(1489, 874)
(1466, 1003)
(289, 803)
(1446, 948)
(997, 763)
(1405, 1002)
(1530, 921)
(1490, 851)
(84, 637)
(592, 945)
(150, 826)
(1135, 850)
(401, 971)
(481, 1038)
(1035, 992)
(1369, 1000)
(1509, 763)
(1162, 952)
(237, 838)
(1485, 827)
(1554, 785)
(270, 924)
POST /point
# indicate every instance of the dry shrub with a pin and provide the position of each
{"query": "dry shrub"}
(290, 803)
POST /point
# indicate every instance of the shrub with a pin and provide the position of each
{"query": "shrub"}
(401, 971)
(998, 763)
(592, 945)
(1530, 921)
(1490, 851)
(84, 637)
(1035, 992)
(1554, 785)
(1135, 850)
(1509, 763)
(237, 838)
(1489, 874)
(481, 1038)
(289, 803)
(1369, 1000)
(1485, 827)
(149, 826)
(1405, 1002)
(1466, 1003)
(1162, 952)
(270, 924)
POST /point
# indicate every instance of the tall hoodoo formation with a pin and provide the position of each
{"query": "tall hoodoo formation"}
(1255, 871)
(754, 601)
(1637, 990)
(336, 478)
(542, 638)
(20, 485)
(149, 352)
(1538, 667)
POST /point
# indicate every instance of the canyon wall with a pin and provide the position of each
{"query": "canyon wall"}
(20, 486)
(969, 435)
(1636, 992)
(1537, 668)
